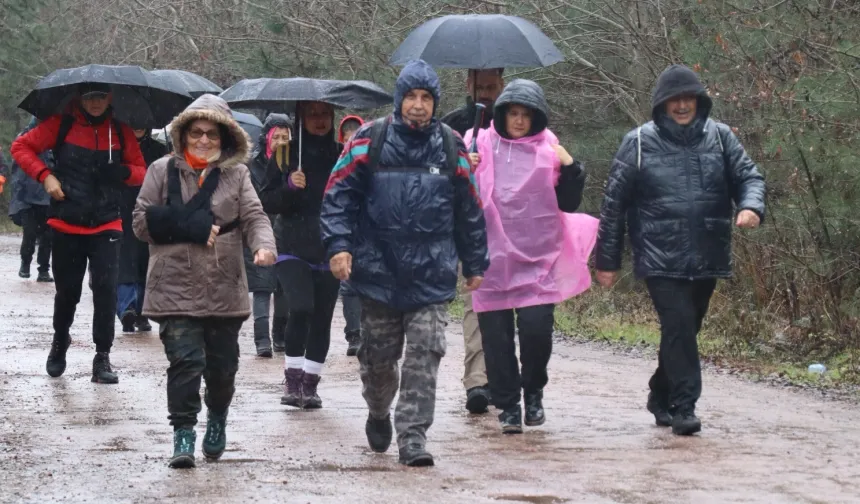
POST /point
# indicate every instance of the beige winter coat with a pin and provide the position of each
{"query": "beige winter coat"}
(190, 280)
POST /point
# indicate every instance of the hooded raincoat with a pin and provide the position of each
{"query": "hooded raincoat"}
(538, 253)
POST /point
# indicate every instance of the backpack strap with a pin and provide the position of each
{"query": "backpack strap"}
(378, 132)
(174, 187)
(117, 126)
(452, 152)
(66, 124)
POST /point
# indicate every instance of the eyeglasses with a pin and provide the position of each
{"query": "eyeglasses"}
(213, 135)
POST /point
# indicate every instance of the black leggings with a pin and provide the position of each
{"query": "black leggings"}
(311, 296)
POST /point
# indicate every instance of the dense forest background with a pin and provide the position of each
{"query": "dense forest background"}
(784, 73)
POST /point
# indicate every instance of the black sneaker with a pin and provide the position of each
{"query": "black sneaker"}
(215, 440)
(379, 433)
(511, 420)
(24, 272)
(659, 407)
(44, 277)
(414, 455)
(128, 318)
(56, 364)
(102, 372)
(477, 400)
(143, 324)
(353, 340)
(534, 409)
(685, 423)
(183, 449)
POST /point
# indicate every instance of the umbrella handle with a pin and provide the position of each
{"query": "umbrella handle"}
(479, 119)
(300, 145)
(110, 143)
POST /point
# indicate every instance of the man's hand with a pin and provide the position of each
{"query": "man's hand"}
(748, 219)
(298, 179)
(212, 234)
(53, 187)
(607, 278)
(341, 265)
(565, 158)
(264, 257)
(474, 283)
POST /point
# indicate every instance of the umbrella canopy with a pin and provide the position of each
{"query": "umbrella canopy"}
(187, 82)
(140, 99)
(281, 95)
(479, 41)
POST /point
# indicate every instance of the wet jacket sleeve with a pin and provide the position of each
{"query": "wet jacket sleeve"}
(26, 148)
(132, 157)
(151, 195)
(748, 187)
(344, 193)
(255, 224)
(570, 186)
(616, 200)
(470, 229)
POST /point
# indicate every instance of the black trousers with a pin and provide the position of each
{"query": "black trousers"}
(34, 220)
(311, 297)
(681, 306)
(535, 324)
(71, 255)
(199, 347)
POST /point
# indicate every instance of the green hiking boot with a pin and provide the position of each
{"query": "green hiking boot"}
(215, 439)
(183, 449)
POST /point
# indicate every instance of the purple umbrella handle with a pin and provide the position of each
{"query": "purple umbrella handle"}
(479, 119)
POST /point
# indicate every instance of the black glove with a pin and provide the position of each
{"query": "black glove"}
(115, 173)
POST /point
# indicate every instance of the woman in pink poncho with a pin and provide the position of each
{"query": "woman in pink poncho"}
(529, 186)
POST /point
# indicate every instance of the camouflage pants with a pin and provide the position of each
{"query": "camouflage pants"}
(385, 332)
(207, 348)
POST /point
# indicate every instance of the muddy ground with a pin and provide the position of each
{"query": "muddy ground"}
(69, 440)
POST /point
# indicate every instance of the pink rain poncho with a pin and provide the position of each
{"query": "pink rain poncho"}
(538, 254)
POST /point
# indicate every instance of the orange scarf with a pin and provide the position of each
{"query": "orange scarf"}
(197, 164)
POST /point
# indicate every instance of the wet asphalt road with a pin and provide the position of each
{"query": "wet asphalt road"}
(69, 440)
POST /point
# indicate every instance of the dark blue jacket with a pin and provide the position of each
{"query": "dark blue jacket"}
(405, 223)
(26, 191)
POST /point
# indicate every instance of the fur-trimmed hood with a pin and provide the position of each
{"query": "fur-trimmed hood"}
(234, 151)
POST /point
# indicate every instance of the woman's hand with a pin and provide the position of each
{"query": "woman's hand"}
(212, 234)
(298, 179)
(475, 158)
(264, 257)
(565, 158)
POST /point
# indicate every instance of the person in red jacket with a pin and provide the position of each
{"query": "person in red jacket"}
(95, 157)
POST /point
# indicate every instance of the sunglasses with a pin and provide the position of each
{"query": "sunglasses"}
(198, 133)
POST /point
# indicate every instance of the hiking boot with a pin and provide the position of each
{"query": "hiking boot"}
(414, 455)
(24, 272)
(292, 387)
(478, 400)
(659, 407)
(215, 439)
(534, 409)
(143, 324)
(102, 372)
(264, 351)
(310, 398)
(685, 423)
(56, 364)
(261, 338)
(511, 420)
(183, 449)
(352, 339)
(128, 318)
(44, 277)
(379, 433)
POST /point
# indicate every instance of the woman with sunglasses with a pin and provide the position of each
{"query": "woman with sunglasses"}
(196, 207)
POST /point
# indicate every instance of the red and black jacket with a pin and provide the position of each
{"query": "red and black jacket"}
(92, 199)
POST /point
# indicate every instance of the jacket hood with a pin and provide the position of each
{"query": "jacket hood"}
(272, 121)
(235, 149)
(344, 121)
(675, 81)
(528, 94)
(416, 74)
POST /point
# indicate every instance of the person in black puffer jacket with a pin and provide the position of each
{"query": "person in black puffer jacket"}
(262, 280)
(676, 182)
(295, 195)
(395, 227)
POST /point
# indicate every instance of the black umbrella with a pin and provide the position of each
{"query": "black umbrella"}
(478, 41)
(250, 123)
(187, 82)
(281, 95)
(140, 99)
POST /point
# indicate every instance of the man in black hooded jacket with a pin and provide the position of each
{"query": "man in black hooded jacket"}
(676, 182)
